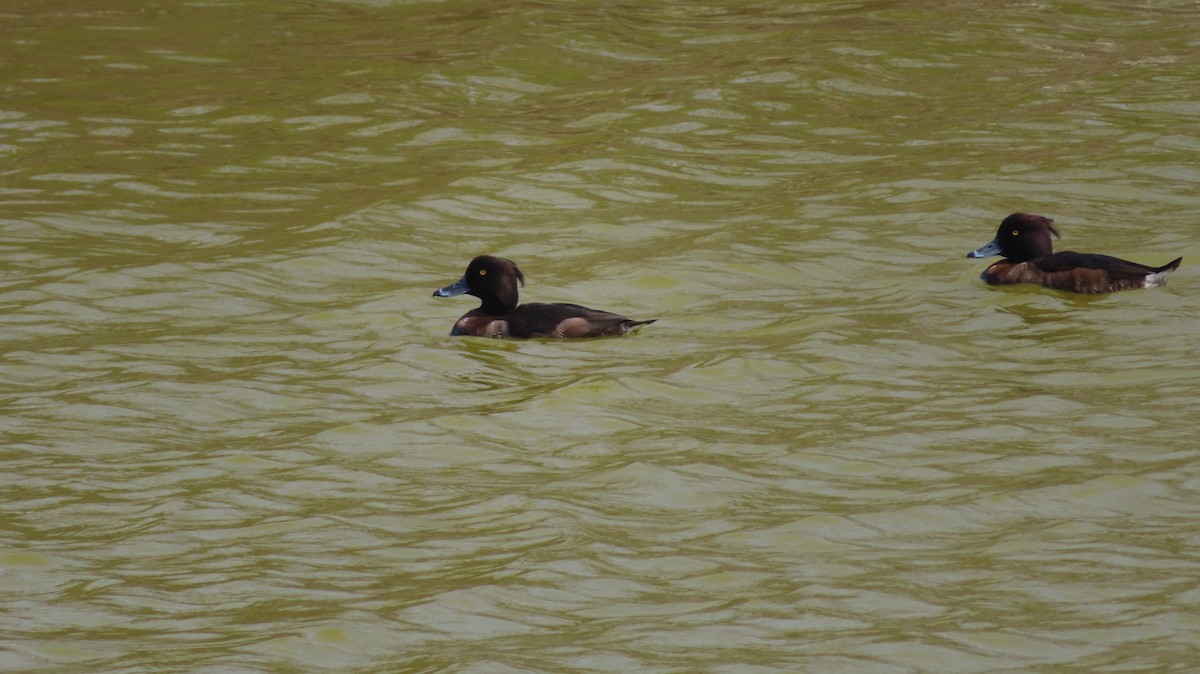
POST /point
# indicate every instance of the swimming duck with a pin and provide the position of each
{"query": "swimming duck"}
(494, 281)
(1024, 241)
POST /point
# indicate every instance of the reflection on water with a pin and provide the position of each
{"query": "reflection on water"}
(237, 438)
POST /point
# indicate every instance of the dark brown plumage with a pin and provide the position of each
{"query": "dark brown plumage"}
(494, 280)
(1024, 241)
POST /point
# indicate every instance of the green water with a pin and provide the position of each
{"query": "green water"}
(235, 437)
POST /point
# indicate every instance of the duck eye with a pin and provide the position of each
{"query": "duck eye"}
(483, 272)
(1016, 232)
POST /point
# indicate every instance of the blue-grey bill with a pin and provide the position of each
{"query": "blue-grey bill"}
(459, 287)
(989, 250)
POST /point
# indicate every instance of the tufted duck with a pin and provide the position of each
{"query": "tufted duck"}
(494, 281)
(1024, 241)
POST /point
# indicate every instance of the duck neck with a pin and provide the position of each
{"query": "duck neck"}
(498, 306)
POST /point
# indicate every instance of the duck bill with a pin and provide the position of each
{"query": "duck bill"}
(988, 250)
(459, 287)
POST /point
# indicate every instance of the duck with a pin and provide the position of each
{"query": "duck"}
(1024, 241)
(494, 281)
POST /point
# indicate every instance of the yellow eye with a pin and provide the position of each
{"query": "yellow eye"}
(483, 272)
(1016, 232)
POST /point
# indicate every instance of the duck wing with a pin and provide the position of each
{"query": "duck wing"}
(1095, 273)
(538, 319)
(1068, 260)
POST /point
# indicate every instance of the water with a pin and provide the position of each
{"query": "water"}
(237, 438)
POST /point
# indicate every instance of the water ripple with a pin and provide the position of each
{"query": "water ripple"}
(238, 438)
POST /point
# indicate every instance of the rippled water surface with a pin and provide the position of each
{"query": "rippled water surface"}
(235, 436)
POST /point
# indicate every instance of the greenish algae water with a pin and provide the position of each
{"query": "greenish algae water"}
(236, 438)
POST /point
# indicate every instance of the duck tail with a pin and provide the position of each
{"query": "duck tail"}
(1158, 276)
(1170, 266)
